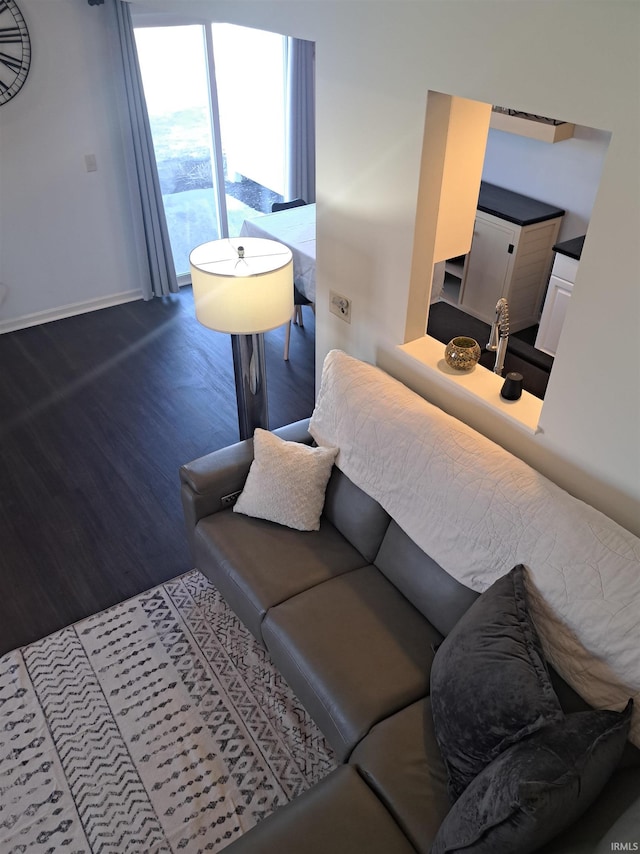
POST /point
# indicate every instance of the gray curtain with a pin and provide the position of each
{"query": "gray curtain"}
(158, 270)
(301, 114)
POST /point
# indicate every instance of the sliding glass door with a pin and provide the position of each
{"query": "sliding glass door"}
(251, 88)
(218, 127)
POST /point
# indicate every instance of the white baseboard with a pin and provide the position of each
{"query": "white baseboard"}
(38, 317)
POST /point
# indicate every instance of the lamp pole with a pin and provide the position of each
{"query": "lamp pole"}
(250, 371)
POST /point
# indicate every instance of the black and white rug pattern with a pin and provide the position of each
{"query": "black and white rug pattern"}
(159, 725)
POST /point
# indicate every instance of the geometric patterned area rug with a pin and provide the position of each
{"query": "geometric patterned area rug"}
(159, 725)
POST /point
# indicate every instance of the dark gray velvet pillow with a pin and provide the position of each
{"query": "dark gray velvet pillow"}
(489, 682)
(536, 788)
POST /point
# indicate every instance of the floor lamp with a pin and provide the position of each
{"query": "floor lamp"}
(244, 286)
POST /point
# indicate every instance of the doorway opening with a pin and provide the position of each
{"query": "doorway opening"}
(512, 226)
(218, 127)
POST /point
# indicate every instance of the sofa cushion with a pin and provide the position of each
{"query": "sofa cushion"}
(434, 592)
(623, 791)
(286, 482)
(257, 564)
(340, 815)
(489, 683)
(357, 516)
(401, 762)
(537, 787)
(354, 650)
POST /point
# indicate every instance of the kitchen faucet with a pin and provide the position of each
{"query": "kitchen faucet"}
(499, 335)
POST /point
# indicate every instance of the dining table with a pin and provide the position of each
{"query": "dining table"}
(295, 228)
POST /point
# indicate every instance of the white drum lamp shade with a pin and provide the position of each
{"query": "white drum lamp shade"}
(244, 286)
(242, 295)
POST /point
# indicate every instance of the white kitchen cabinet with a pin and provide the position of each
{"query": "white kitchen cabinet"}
(563, 276)
(508, 260)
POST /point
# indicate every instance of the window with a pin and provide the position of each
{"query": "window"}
(218, 127)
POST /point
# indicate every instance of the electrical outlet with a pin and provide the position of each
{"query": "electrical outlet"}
(340, 306)
(230, 499)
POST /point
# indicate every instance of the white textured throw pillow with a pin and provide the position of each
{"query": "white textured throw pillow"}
(286, 482)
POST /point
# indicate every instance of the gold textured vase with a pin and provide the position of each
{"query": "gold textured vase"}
(462, 353)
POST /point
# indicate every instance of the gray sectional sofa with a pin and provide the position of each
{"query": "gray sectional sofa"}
(353, 615)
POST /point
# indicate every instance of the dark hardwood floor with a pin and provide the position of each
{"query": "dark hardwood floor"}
(97, 413)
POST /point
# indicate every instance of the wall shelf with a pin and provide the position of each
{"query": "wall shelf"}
(545, 131)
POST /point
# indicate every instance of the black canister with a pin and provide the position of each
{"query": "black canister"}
(512, 387)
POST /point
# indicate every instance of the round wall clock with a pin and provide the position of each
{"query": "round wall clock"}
(15, 50)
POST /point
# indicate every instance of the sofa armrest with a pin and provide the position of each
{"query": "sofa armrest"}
(205, 482)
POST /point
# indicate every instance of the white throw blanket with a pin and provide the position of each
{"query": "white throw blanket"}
(478, 511)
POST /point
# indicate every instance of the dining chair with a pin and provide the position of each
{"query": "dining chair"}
(299, 299)
(283, 206)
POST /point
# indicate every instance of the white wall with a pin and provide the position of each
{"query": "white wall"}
(65, 233)
(566, 174)
(375, 62)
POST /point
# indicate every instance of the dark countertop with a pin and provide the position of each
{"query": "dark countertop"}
(572, 248)
(514, 207)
